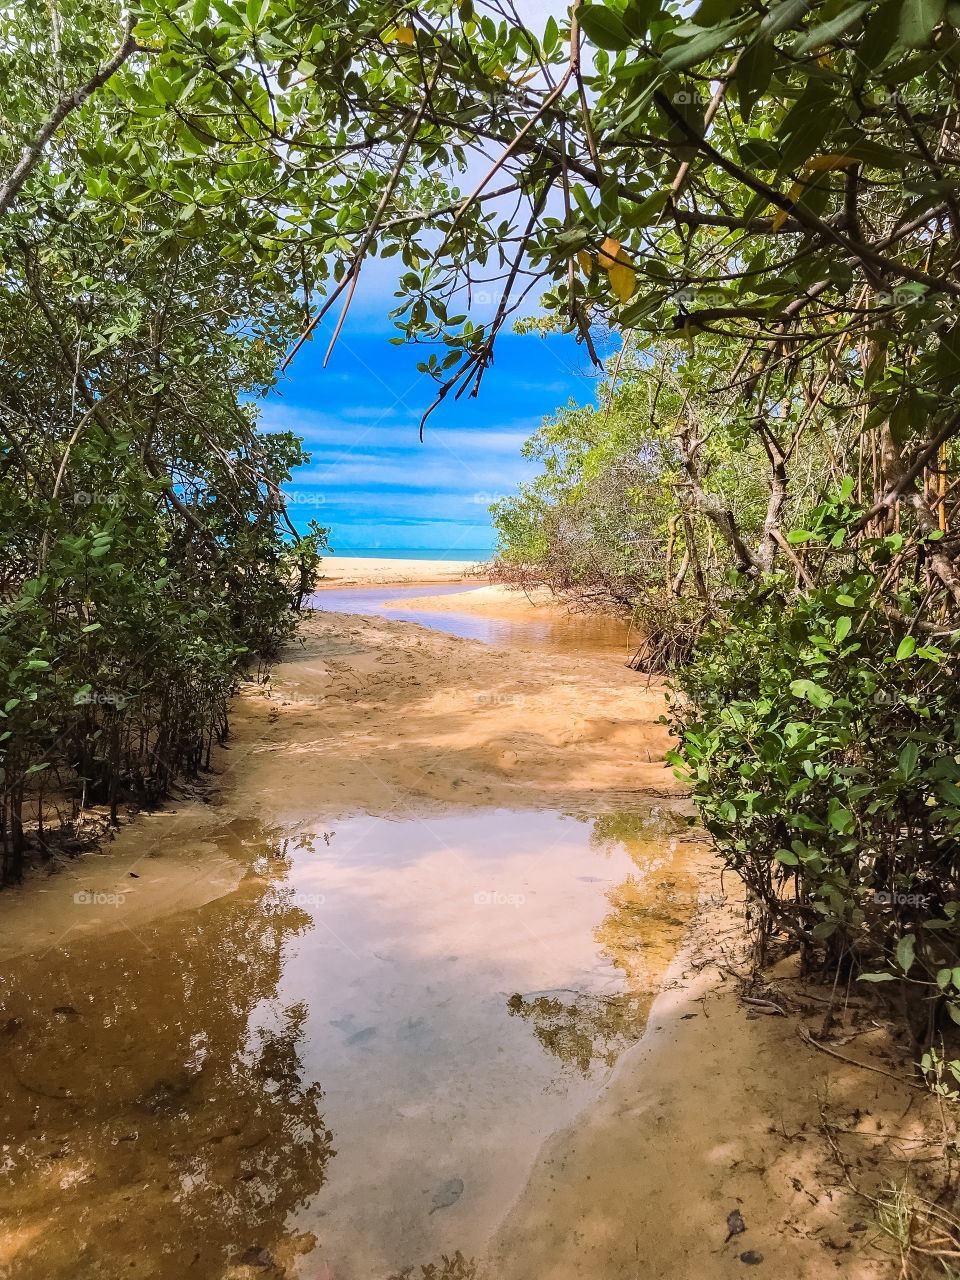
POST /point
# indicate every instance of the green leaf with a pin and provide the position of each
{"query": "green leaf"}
(879, 40)
(783, 15)
(690, 52)
(807, 123)
(842, 629)
(906, 648)
(876, 977)
(754, 69)
(841, 820)
(908, 758)
(814, 693)
(918, 20)
(826, 32)
(906, 949)
(603, 27)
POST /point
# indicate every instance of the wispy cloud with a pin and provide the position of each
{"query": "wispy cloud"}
(369, 476)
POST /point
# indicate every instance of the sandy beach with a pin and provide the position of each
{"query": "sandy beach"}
(361, 571)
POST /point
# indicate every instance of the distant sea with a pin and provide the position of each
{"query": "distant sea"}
(416, 553)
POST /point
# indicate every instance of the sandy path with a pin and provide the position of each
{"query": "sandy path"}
(378, 713)
(714, 1109)
(371, 716)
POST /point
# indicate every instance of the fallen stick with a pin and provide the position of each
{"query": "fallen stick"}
(807, 1038)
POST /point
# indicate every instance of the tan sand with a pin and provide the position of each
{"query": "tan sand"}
(373, 712)
(500, 602)
(719, 1108)
(358, 571)
(364, 716)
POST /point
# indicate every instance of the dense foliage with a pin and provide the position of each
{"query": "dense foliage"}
(607, 524)
(144, 552)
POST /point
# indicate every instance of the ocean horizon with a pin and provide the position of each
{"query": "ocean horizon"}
(412, 553)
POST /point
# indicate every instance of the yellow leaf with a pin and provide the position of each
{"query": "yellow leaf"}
(829, 162)
(623, 280)
(793, 195)
(609, 252)
(586, 263)
(498, 72)
(402, 35)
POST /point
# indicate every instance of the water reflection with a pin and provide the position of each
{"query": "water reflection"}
(639, 935)
(146, 1118)
(570, 633)
(329, 1072)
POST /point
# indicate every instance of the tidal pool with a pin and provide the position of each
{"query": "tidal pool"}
(344, 1068)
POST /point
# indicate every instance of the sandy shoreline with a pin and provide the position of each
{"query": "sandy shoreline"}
(501, 602)
(361, 571)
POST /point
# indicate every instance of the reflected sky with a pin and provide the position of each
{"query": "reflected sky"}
(343, 1068)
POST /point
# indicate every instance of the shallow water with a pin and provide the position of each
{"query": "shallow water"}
(573, 633)
(346, 1067)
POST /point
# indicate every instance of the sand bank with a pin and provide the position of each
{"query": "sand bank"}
(359, 571)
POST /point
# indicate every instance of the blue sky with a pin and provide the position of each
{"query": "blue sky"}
(369, 477)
